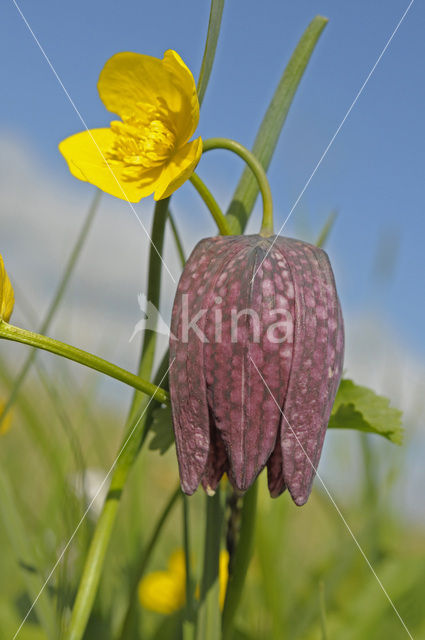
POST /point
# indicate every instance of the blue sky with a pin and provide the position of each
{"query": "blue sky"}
(373, 174)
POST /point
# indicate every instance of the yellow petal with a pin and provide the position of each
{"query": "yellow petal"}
(187, 118)
(86, 154)
(131, 84)
(162, 591)
(179, 169)
(7, 296)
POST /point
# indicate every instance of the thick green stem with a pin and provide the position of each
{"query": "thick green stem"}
(242, 558)
(69, 269)
(257, 169)
(16, 334)
(141, 563)
(134, 436)
(209, 623)
(153, 295)
(211, 202)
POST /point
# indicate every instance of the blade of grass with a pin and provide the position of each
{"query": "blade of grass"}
(46, 445)
(241, 561)
(54, 305)
(189, 614)
(327, 228)
(216, 13)
(127, 627)
(25, 555)
(177, 239)
(268, 134)
(208, 623)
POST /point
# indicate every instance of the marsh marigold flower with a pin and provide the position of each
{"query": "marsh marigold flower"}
(7, 297)
(165, 591)
(256, 349)
(148, 149)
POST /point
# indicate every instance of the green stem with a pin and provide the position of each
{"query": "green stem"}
(211, 202)
(134, 436)
(72, 261)
(257, 169)
(141, 563)
(153, 295)
(242, 558)
(208, 623)
(189, 618)
(10, 332)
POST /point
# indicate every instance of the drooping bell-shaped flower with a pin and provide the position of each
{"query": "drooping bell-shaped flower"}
(256, 356)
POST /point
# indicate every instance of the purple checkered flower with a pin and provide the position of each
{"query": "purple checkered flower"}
(256, 347)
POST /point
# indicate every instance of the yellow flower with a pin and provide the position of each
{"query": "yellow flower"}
(7, 297)
(165, 591)
(147, 151)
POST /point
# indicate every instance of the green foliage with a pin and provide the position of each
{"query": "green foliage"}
(362, 409)
(162, 429)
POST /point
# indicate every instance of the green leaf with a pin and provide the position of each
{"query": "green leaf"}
(268, 134)
(362, 409)
(162, 429)
(214, 24)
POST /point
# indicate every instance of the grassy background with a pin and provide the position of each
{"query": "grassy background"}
(61, 442)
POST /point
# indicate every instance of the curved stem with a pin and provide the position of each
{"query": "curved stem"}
(258, 171)
(211, 202)
(10, 332)
(241, 561)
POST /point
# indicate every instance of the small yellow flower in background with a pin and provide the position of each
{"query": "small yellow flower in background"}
(7, 297)
(147, 151)
(165, 591)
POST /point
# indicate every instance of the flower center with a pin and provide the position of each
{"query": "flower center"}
(141, 141)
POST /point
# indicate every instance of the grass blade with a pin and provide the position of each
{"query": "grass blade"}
(216, 13)
(25, 556)
(268, 134)
(72, 261)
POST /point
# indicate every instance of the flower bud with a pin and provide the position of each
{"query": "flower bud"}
(256, 349)
(7, 297)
